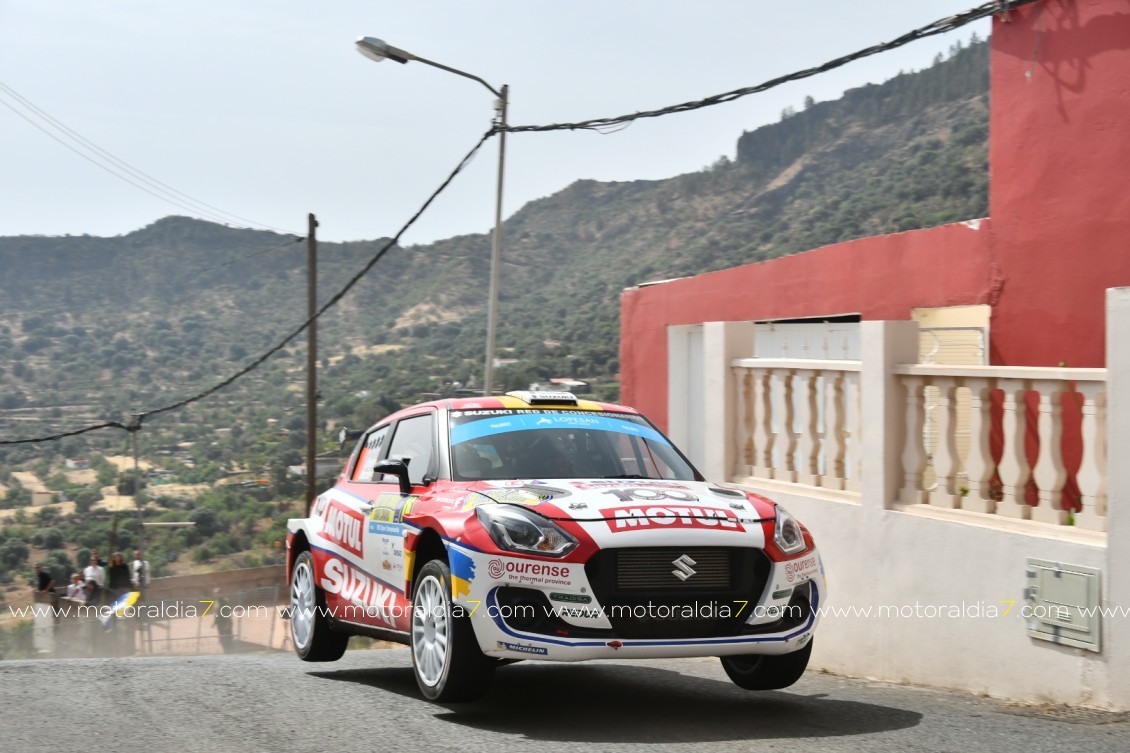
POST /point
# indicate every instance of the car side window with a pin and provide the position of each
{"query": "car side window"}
(413, 442)
(369, 454)
(636, 457)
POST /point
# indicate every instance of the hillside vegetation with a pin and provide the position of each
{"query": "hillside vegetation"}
(93, 328)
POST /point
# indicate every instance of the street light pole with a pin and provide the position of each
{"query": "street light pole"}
(496, 247)
(378, 50)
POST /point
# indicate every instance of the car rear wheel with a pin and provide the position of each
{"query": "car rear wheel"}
(445, 655)
(309, 626)
(756, 672)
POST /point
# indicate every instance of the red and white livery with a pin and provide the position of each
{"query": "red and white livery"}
(537, 525)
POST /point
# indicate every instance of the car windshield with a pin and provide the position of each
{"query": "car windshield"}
(518, 444)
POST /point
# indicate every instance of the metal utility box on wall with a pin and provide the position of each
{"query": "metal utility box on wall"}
(1063, 603)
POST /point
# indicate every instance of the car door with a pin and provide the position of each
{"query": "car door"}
(354, 591)
(411, 439)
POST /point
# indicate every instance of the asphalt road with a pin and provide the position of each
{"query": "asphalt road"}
(369, 701)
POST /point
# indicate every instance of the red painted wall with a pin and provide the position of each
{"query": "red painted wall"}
(1058, 236)
(1059, 159)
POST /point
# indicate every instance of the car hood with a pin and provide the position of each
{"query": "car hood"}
(614, 499)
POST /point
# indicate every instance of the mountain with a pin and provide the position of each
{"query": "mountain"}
(91, 328)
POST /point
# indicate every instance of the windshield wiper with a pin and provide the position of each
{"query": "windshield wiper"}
(628, 475)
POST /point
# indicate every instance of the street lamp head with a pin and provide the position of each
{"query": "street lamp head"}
(378, 50)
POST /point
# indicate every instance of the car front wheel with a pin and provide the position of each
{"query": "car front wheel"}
(756, 672)
(309, 626)
(445, 655)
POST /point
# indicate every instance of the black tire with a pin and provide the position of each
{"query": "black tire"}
(446, 659)
(757, 672)
(310, 630)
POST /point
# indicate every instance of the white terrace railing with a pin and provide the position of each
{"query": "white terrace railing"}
(977, 438)
(959, 418)
(798, 421)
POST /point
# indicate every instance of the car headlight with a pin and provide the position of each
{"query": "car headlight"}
(787, 534)
(517, 529)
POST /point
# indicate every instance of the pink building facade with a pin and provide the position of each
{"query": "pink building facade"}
(1057, 237)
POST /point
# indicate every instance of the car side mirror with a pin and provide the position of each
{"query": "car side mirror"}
(398, 468)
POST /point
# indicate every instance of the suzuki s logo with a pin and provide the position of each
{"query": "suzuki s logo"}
(683, 567)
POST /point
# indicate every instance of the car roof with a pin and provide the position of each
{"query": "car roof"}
(515, 401)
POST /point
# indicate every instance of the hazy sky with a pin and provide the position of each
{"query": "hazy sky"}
(263, 108)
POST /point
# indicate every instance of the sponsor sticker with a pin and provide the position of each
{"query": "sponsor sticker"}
(802, 569)
(571, 598)
(358, 589)
(521, 495)
(522, 648)
(343, 527)
(537, 573)
(385, 529)
(646, 517)
(635, 482)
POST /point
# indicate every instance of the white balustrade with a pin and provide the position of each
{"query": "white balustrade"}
(979, 495)
(799, 421)
(1091, 476)
(944, 450)
(1028, 415)
(834, 473)
(913, 453)
(1050, 474)
(1013, 468)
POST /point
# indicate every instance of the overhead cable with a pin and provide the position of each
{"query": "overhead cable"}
(940, 26)
(119, 168)
(138, 418)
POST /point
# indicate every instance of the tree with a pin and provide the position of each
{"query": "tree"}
(12, 553)
(86, 498)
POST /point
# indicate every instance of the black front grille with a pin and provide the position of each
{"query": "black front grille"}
(655, 568)
(643, 597)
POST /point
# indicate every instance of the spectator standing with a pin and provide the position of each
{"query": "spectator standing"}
(94, 571)
(139, 571)
(95, 578)
(44, 581)
(118, 576)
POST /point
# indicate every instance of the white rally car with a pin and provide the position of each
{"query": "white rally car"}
(539, 526)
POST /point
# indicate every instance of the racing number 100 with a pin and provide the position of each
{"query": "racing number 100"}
(651, 495)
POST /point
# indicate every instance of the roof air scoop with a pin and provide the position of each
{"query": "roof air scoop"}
(544, 398)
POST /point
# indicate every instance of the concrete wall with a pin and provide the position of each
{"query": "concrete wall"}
(935, 596)
(927, 568)
(229, 582)
(75, 636)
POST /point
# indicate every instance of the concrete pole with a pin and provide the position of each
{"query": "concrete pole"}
(311, 361)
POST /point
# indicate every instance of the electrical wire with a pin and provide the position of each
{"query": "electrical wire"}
(113, 164)
(941, 26)
(136, 420)
(236, 260)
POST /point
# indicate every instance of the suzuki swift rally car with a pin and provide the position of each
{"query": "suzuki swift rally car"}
(480, 531)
